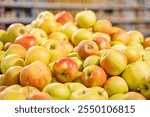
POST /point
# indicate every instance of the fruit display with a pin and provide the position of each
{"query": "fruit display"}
(66, 57)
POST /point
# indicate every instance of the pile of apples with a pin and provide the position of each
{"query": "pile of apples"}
(66, 57)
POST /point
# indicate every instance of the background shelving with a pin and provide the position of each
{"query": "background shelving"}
(129, 14)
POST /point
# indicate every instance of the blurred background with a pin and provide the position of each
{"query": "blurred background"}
(128, 14)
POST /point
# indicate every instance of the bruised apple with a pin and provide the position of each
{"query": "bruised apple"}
(36, 74)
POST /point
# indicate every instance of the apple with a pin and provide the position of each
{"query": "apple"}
(29, 27)
(15, 87)
(93, 75)
(26, 41)
(102, 52)
(85, 94)
(63, 17)
(103, 95)
(6, 46)
(2, 87)
(145, 87)
(103, 25)
(113, 62)
(120, 47)
(134, 73)
(68, 47)
(86, 48)
(11, 95)
(16, 49)
(102, 43)
(121, 36)
(146, 42)
(115, 85)
(3, 36)
(1, 45)
(39, 35)
(39, 96)
(36, 74)
(103, 35)
(135, 36)
(2, 79)
(58, 91)
(146, 54)
(79, 62)
(58, 35)
(118, 96)
(27, 90)
(81, 34)
(2, 54)
(115, 29)
(12, 75)
(15, 30)
(91, 60)
(74, 86)
(37, 53)
(133, 96)
(55, 49)
(132, 54)
(34, 23)
(85, 19)
(11, 60)
(65, 70)
(68, 29)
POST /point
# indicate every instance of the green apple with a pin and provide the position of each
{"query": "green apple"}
(3, 36)
(12, 75)
(113, 62)
(85, 19)
(81, 34)
(40, 35)
(79, 62)
(102, 52)
(118, 96)
(58, 91)
(2, 53)
(37, 53)
(103, 26)
(74, 86)
(134, 73)
(103, 95)
(16, 49)
(11, 60)
(2, 79)
(68, 29)
(58, 35)
(145, 87)
(115, 85)
(1, 45)
(133, 96)
(91, 60)
(15, 30)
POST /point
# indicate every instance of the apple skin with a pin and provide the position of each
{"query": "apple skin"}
(102, 43)
(113, 62)
(103, 35)
(135, 36)
(81, 34)
(103, 95)
(16, 49)
(58, 36)
(68, 29)
(93, 76)
(146, 42)
(132, 54)
(119, 46)
(39, 35)
(115, 85)
(115, 29)
(74, 86)
(39, 96)
(11, 60)
(58, 91)
(46, 15)
(118, 96)
(85, 19)
(65, 70)
(68, 47)
(103, 26)
(2, 79)
(63, 17)
(121, 36)
(37, 53)
(12, 75)
(2, 87)
(26, 41)
(91, 60)
(86, 48)
(79, 62)
(15, 87)
(134, 73)
(1, 45)
(133, 96)
(36, 74)
(145, 87)
(3, 36)
(15, 30)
